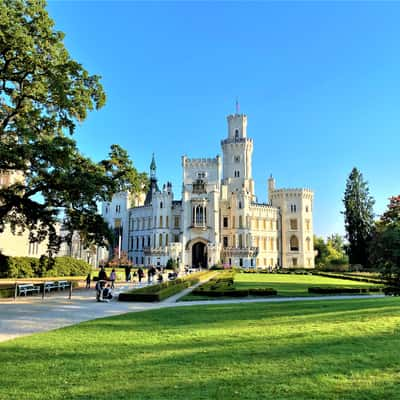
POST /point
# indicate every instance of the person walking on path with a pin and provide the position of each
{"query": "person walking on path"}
(140, 274)
(128, 273)
(88, 278)
(102, 274)
(113, 277)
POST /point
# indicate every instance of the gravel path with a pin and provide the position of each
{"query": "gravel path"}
(32, 314)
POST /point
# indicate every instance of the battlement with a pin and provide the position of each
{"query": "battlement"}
(295, 192)
(200, 162)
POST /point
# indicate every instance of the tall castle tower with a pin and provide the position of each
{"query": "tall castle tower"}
(237, 151)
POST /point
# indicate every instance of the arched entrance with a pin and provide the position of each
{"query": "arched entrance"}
(199, 255)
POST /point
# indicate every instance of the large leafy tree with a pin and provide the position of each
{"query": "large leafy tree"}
(44, 94)
(359, 217)
(385, 245)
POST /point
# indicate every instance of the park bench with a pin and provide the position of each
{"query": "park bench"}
(48, 286)
(63, 284)
(27, 288)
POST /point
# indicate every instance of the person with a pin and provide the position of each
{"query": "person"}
(99, 290)
(88, 279)
(128, 273)
(140, 274)
(160, 278)
(107, 293)
(113, 277)
(149, 274)
(102, 274)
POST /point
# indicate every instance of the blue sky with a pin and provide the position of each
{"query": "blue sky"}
(319, 82)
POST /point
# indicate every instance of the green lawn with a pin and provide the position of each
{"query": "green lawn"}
(292, 284)
(287, 285)
(347, 349)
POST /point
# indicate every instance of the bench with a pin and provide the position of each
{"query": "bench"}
(63, 284)
(50, 286)
(27, 288)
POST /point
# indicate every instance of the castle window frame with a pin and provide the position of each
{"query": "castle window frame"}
(161, 204)
(236, 133)
(294, 262)
(225, 241)
(199, 186)
(225, 222)
(294, 243)
(201, 175)
(293, 224)
(293, 208)
(236, 159)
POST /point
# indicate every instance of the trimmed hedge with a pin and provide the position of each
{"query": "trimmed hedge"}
(348, 277)
(224, 286)
(29, 267)
(392, 291)
(342, 289)
(163, 290)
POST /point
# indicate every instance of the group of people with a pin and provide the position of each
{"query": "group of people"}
(104, 289)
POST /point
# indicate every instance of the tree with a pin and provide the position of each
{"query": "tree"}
(43, 95)
(359, 217)
(329, 255)
(385, 245)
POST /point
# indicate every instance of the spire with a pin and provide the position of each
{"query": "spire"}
(153, 167)
(237, 106)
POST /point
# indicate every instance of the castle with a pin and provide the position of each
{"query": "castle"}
(218, 219)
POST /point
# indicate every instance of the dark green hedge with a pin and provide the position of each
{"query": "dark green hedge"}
(348, 277)
(392, 291)
(29, 267)
(162, 290)
(342, 289)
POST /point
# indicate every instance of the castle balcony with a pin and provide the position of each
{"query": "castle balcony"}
(240, 251)
(236, 140)
(156, 251)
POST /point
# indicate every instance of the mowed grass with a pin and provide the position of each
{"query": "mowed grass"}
(347, 349)
(292, 284)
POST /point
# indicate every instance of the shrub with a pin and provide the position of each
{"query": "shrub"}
(341, 289)
(29, 267)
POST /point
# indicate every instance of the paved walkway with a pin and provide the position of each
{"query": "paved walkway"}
(32, 314)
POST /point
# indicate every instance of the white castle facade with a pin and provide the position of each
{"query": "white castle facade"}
(218, 219)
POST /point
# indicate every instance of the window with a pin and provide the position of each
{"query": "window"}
(236, 133)
(294, 262)
(107, 210)
(176, 222)
(294, 243)
(225, 222)
(167, 221)
(199, 215)
(293, 224)
(237, 174)
(161, 221)
(236, 159)
(160, 240)
(142, 242)
(240, 204)
(240, 221)
(137, 242)
(199, 187)
(307, 208)
(307, 224)
(201, 175)
(293, 208)
(271, 224)
(241, 262)
(271, 244)
(240, 241)
(251, 262)
(308, 244)
(117, 208)
(148, 241)
(166, 239)
(176, 238)
(161, 204)
(225, 241)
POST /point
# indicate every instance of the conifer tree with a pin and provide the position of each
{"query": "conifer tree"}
(359, 217)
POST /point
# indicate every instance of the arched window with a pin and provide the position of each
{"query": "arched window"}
(294, 243)
(161, 204)
(236, 133)
(160, 239)
(308, 244)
